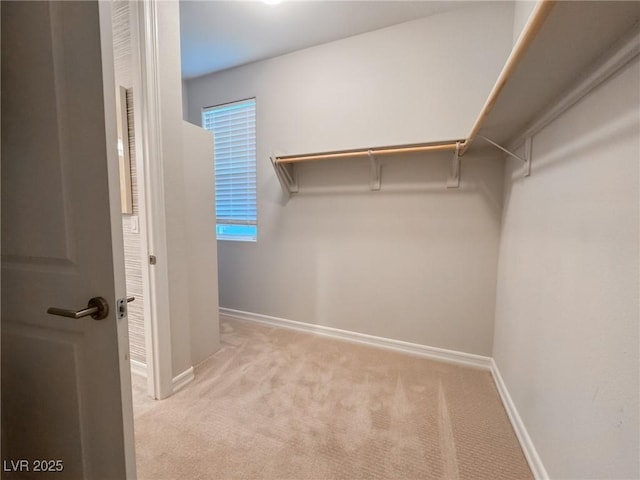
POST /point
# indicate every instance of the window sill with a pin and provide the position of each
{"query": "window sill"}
(237, 239)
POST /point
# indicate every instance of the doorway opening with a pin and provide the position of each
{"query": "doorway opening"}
(133, 213)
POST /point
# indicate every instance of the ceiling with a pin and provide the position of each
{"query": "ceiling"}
(216, 35)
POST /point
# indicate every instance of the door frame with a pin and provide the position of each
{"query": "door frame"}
(148, 135)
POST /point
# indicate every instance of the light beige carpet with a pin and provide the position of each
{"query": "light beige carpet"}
(279, 404)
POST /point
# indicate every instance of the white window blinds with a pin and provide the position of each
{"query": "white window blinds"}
(234, 132)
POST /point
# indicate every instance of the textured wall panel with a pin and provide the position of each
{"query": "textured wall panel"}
(132, 251)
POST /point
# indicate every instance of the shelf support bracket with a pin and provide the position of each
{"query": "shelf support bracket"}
(526, 161)
(286, 174)
(527, 156)
(453, 180)
(375, 172)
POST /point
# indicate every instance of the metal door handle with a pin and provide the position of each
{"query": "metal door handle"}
(97, 307)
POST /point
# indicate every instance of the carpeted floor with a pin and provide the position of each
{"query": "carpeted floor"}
(280, 404)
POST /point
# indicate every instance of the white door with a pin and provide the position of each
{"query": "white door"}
(66, 396)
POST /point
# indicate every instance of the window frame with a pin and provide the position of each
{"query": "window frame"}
(250, 225)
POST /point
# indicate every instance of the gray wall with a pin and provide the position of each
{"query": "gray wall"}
(414, 262)
(566, 332)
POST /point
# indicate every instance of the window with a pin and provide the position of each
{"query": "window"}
(234, 135)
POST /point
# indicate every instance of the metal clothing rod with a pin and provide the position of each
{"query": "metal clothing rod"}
(537, 18)
(366, 152)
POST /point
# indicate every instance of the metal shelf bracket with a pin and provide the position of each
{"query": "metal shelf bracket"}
(527, 156)
(375, 172)
(286, 174)
(453, 179)
(526, 161)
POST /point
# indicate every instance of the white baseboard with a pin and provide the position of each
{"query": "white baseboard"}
(530, 452)
(139, 368)
(178, 382)
(450, 356)
(181, 380)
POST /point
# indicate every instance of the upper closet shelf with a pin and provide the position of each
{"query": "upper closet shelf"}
(284, 165)
(565, 50)
(576, 47)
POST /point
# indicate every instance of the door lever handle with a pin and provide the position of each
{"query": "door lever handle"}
(97, 308)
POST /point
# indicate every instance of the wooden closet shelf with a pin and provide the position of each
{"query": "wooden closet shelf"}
(426, 147)
(564, 51)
